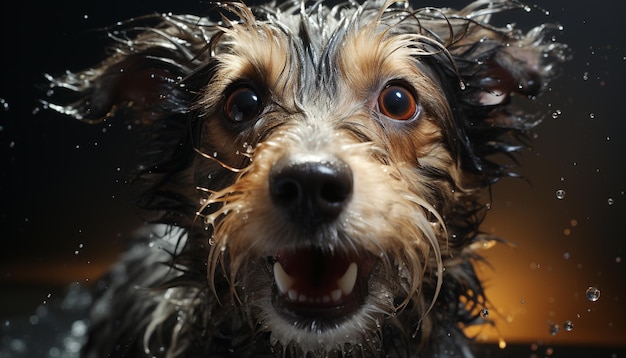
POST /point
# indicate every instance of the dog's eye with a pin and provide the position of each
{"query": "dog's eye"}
(398, 102)
(242, 104)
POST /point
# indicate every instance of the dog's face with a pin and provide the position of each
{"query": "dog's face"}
(334, 166)
(331, 224)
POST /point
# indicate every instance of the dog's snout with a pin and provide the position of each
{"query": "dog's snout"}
(310, 189)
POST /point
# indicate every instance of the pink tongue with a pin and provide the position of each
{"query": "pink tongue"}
(315, 272)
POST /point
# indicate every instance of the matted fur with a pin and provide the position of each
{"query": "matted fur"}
(206, 287)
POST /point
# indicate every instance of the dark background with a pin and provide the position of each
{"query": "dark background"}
(65, 208)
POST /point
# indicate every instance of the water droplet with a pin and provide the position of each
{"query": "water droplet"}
(560, 194)
(484, 312)
(17, 345)
(610, 201)
(33, 320)
(593, 294)
(566, 255)
(585, 76)
(501, 343)
(79, 328)
(592, 115)
(568, 325)
(554, 329)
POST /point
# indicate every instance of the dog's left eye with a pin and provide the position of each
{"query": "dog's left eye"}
(398, 102)
(242, 104)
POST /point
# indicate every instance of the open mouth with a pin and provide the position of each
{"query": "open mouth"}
(312, 285)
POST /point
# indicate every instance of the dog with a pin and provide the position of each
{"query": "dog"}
(316, 175)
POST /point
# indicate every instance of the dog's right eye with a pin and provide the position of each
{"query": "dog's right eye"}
(398, 102)
(242, 104)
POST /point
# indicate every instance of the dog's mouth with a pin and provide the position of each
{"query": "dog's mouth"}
(314, 287)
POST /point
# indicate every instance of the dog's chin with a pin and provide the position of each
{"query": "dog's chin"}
(321, 300)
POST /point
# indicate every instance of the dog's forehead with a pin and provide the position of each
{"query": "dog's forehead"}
(323, 58)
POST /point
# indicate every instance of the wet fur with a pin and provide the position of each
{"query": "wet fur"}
(202, 287)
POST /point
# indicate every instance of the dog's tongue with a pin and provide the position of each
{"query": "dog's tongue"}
(311, 276)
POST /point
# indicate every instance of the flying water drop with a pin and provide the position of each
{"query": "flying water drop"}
(592, 294)
(560, 194)
(568, 325)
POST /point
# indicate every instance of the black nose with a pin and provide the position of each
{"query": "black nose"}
(310, 189)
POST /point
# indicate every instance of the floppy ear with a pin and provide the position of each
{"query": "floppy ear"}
(494, 64)
(145, 76)
(158, 66)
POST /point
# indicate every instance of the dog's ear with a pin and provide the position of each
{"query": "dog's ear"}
(145, 76)
(494, 65)
(157, 68)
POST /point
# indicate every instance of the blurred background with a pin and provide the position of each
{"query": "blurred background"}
(65, 201)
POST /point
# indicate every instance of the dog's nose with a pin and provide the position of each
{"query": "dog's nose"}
(310, 189)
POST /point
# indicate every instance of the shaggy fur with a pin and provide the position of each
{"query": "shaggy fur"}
(318, 174)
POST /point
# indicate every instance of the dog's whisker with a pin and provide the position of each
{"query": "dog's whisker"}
(222, 164)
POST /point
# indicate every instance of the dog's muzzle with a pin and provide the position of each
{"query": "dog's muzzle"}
(314, 282)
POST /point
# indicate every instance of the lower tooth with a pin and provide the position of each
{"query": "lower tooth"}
(347, 281)
(292, 294)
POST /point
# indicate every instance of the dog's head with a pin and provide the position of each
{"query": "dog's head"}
(326, 162)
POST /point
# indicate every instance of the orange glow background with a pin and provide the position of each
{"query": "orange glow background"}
(65, 209)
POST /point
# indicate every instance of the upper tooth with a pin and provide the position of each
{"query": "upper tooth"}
(347, 281)
(283, 281)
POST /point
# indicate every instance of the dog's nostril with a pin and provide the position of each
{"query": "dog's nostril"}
(310, 189)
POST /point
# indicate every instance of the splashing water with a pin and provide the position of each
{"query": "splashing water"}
(592, 294)
(568, 325)
(554, 329)
(484, 313)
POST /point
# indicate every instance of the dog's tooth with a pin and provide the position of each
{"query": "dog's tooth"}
(283, 281)
(347, 281)
(335, 295)
(293, 295)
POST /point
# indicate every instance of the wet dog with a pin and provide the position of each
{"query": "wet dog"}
(319, 172)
